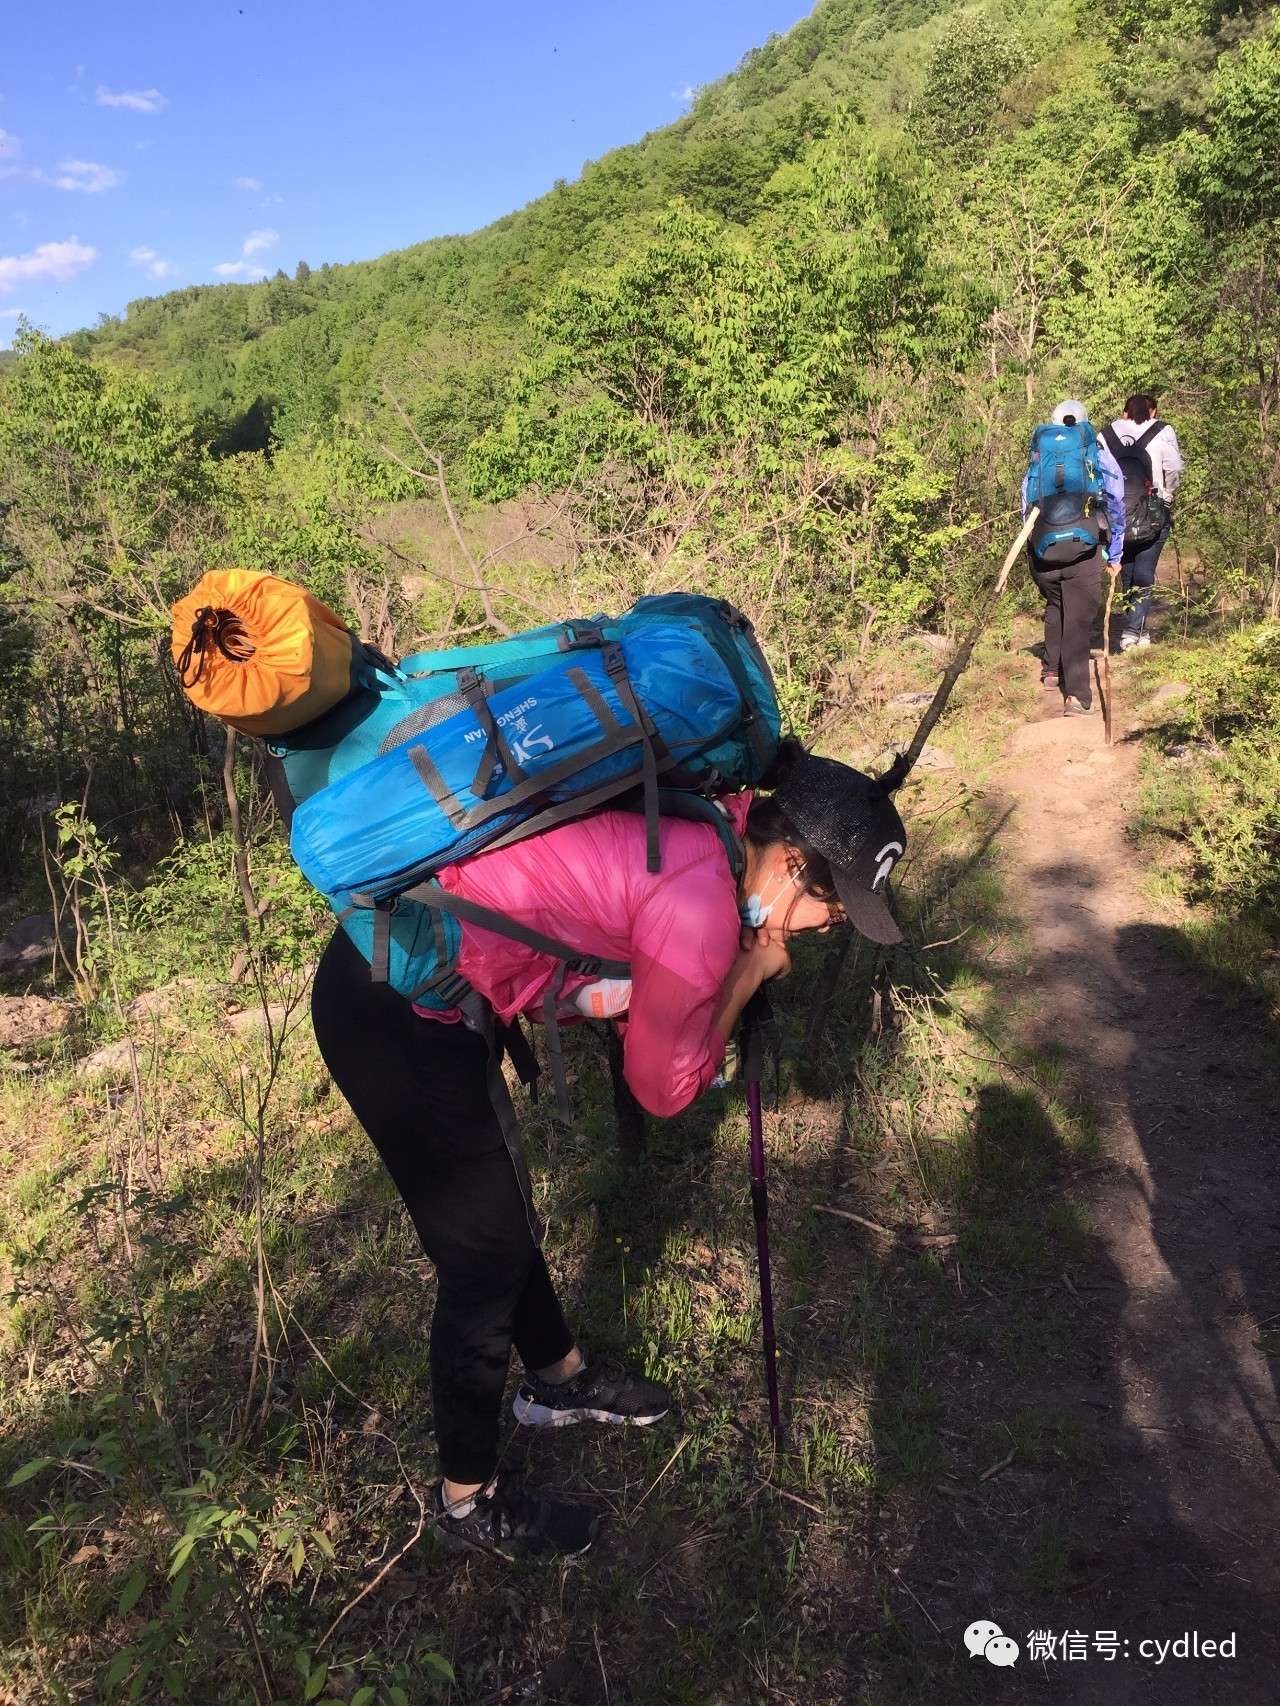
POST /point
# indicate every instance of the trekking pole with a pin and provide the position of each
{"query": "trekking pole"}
(964, 651)
(756, 1020)
(905, 763)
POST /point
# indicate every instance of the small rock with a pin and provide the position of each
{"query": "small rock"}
(253, 1019)
(29, 1019)
(935, 642)
(906, 701)
(933, 758)
(158, 1003)
(29, 942)
(1184, 751)
(114, 1060)
(1168, 691)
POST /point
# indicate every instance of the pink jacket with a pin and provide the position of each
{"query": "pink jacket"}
(586, 884)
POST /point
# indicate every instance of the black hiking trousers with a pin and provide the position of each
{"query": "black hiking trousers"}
(418, 1087)
(1072, 595)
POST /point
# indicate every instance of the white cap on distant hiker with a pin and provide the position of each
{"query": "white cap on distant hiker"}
(1069, 413)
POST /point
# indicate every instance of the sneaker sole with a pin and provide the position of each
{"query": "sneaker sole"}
(530, 1414)
(459, 1543)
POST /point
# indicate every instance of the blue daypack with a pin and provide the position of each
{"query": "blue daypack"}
(1065, 481)
(455, 752)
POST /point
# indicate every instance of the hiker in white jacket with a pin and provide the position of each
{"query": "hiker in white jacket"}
(1147, 450)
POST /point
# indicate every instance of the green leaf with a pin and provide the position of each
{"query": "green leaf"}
(119, 1667)
(363, 1696)
(298, 1556)
(315, 1682)
(323, 1542)
(302, 1663)
(181, 1552)
(131, 1592)
(438, 1666)
(397, 1696)
(249, 1538)
(28, 1470)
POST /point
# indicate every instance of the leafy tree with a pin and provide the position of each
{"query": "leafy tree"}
(970, 67)
(1236, 163)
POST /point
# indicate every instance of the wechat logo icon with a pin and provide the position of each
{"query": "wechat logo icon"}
(990, 1640)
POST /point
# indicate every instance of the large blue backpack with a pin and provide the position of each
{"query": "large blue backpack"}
(455, 752)
(1064, 481)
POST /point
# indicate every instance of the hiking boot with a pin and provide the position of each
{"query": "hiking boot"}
(1073, 708)
(1048, 680)
(1129, 641)
(603, 1391)
(509, 1519)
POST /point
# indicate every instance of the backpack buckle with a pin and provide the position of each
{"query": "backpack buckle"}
(581, 636)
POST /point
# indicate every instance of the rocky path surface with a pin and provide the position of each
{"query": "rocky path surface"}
(1179, 1343)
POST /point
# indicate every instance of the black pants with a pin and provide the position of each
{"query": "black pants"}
(1137, 577)
(1071, 598)
(418, 1089)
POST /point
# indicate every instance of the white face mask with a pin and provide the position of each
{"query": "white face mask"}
(755, 910)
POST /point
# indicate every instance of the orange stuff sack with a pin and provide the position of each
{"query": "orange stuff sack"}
(259, 652)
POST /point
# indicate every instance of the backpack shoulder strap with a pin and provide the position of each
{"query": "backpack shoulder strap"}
(1144, 438)
(1115, 444)
(696, 808)
(432, 894)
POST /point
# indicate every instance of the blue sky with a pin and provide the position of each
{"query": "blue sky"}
(148, 146)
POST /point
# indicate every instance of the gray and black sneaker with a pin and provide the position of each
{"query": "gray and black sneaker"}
(514, 1522)
(603, 1391)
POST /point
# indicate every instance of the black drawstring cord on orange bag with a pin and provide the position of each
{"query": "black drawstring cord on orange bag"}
(220, 628)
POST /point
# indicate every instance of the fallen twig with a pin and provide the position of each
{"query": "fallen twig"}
(936, 1240)
(898, 1574)
(679, 1448)
(390, 1564)
(997, 1467)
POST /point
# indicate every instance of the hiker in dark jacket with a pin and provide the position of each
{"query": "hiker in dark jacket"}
(819, 849)
(1139, 428)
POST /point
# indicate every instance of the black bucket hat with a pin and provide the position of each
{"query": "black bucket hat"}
(850, 820)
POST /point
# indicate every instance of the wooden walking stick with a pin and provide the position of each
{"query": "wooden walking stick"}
(1104, 685)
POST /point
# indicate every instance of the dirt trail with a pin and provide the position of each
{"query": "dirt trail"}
(1181, 1529)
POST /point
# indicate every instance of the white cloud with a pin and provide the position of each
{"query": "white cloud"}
(246, 266)
(12, 313)
(85, 175)
(136, 100)
(49, 263)
(155, 264)
(686, 94)
(239, 269)
(9, 145)
(248, 184)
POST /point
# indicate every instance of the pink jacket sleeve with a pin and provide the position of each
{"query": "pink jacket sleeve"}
(684, 942)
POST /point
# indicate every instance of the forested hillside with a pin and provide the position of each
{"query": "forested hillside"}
(788, 350)
(789, 347)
